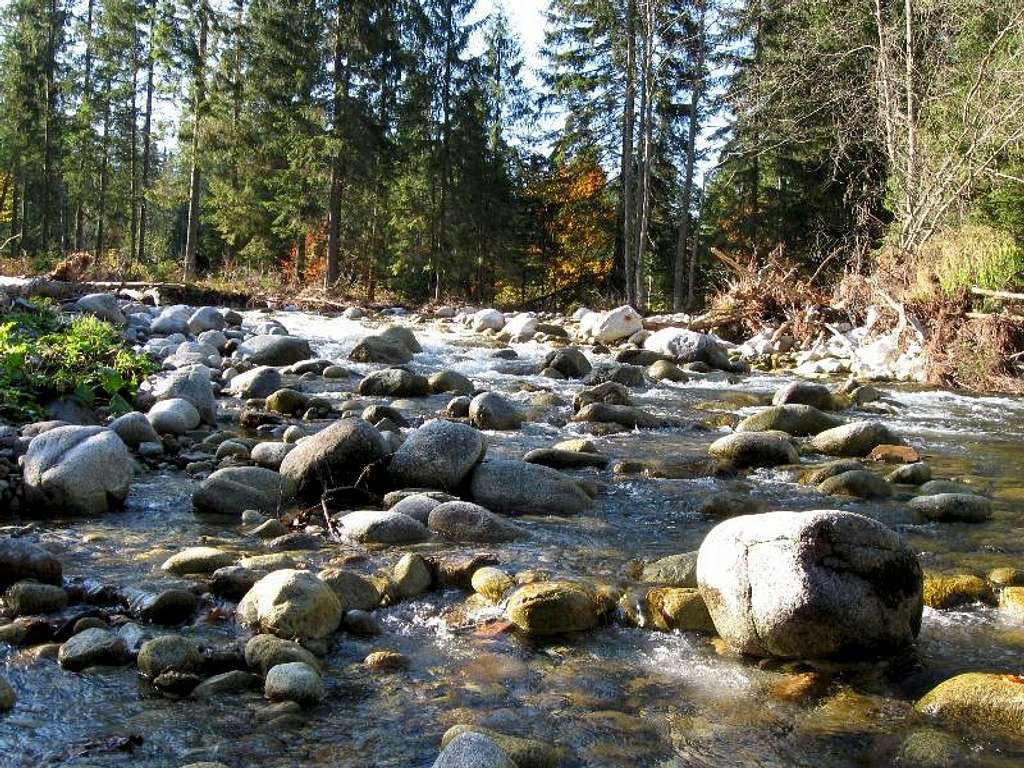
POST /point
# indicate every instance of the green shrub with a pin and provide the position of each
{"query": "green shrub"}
(973, 255)
(43, 356)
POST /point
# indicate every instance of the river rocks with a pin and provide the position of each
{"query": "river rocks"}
(819, 584)
(552, 608)
(856, 439)
(232, 490)
(411, 576)
(663, 370)
(206, 319)
(796, 420)
(450, 381)
(382, 527)
(569, 362)
(981, 699)
(287, 402)
(935, 487)
(23, 559)
(524, 753)
(675, 608)
(492, 583)
(805, 393)
(274, 350)
(261, 381)
(686, 346)
(417, 506)
(26, 598)
(76, 470)
(192, 384)
(517, 487)
(270, 455)
(1011, 602)
(169, 607)
(559, 459)
(354, 592)
(388, 350)
(522, 327)
(616, 324)
(102, 305)
(438, 455)
(264, 652)
(294, 681)
(917, 473)
(291, 604)
(8, 698)
(134, 429)
(860, 483)
(90, 648)
(197, 560)
(230, 682)
(334, 457)
(491, 411)
(673, 571)
(944, 592)
(394, 382)
(608, 393)
(467, 522)
(168, 652)
(754, 449)
(488, 320)
(473, 750)
(624, 415)
(952, 507)
(171, 320)
(175, 416)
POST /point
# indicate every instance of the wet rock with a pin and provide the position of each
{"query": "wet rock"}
(856, 439)
(559, 459)
(294, 681)
(521, 327)
(26, 598)
(287, 402)
(76, 470)
(860, 483)
(440, 454)
(516, 487)
(169, 607)
(678, 608)
(269, 455)
(101, 305)
(831, 469)
(93, 647)
(394, 382)
(334, 457)
(8, 698)
(552, 608)
(619, 373)
(192, 384)
(492, 583)
(934, 487)
(171, 320)
(952, 507)
(917, 473)
(274, 350)
(386, 660)
(490, 410)
(168, 652)
(569, 362)
(980, 699)
(412, 576)
(232, 681)
(525, 753)
(173, 417)
(796, 420)
(663, 370)
(726, 504)
(197, 560)
(754, 449)
(271, 529)
(362, 623)
(1006, 577)
(673, 571)
(623, 415)
(932, 748)
(450, 381)
(686, 346)
(944, 592)
(609, 393)
(233, 581)
(467, 522)
(381, 349)
(382, 527)
(488, 320)
(264, 652)
(894, 454)
(810, 585)
(806, 393)
(1011, 602)
(134, 429)
(458, 408)
(23, 559)
(473, 750)
(417, 506)
(354, 592)
(206, 319)
(616, 324)
(231, 490)
(290, 603)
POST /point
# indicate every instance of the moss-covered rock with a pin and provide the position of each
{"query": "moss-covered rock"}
(981, 699)
(492, 583)
(1011, 601)
(943, 592)
(679, 608)
(552, 608)
(795, 419)
(860, 483)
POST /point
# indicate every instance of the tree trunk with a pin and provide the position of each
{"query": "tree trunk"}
(628, 116)
(300, 259)
(83, 149)
(133, 171)
(49, 117)
(340, 98)
(195, 178)
(646, 133)
(910, 191)
(147, 138)
(15, 234)
(101, 212)
(691, 294)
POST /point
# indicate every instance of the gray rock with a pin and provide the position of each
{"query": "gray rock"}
(489, 410)
(440, 454)
(796, 419)
(856, 439)
(417, 506)
(394, 382)
(861, 483)
(609, 393)
(381, 349)
(917, 473)
(77, 470)
(192, 353)
(354, 592)
(214, 339)
(90, 648)
(673, 571)
(233, 581)
(26, 598)
(450, 381)
(562, 459)
(169, 607)
(952, 507)
(624, 415)
(8, 698)
(294, 681)
(620, 373)
(569, 362)
(270, 455)
(102, 305)
(206, 319)
(504, 485)
(171, 320)
(663, 370)
(23, 559)
(174, 417)
(334, 457)
(466, 522)
(362, 623)
(225, 683)
(192, 384)
(168, 652)
(754, 449)
(805, 393)
(71, 410)
(687, 346)
(473, 750)
(403, 336)
(232, 490)
(274, 350)
(264, 652)
(290, 604)
(933, 487)
(458, 408)
(261, 381)
(382, 527)
(134, 429)
(821, 584)
(197, 560)
(411, 576)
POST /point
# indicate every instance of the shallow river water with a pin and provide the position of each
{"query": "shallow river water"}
(611, 697)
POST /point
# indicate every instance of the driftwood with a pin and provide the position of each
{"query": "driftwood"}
(1002, 295)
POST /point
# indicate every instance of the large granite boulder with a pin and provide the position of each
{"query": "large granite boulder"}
(505, 485)
(272, 349)
(438, 455)
(334, 457)
(290, 604)
(232, 490)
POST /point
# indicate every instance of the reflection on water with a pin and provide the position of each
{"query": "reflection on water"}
(613, 697)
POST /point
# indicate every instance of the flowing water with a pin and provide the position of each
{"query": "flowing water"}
(612, 697)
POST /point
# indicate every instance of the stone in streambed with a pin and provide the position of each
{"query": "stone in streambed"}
(856, 439)
(134, 429)
(394, 382)
(754, 449)
(370, 526)
(291, 604)
(806, 393)
(525, 753)
(450, 381)
(492, 583)
(473, 750)
(440, 454)
(672, 571)
(952, 507)
(23, 559)
(26, 598)
(294, 681)
(559, 459)
(261, 381)
(503, 485)
(491, 411)
(552, 608)
(334, 457)
(678, 608)
(232, 490)
(467, 522)
(860, 483)
(168, 652)
(197, 560)
(917, 473)
(264, 652)
(92, 647)
(944, 592)
(232, 681)
(624, 415)
(417, 506)
(8, 698)
(412, 576)
(354, 591)
(981, 699)
(274, 350)
(797, 420)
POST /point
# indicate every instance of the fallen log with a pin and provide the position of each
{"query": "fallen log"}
(159, 293)
(1002, 295)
